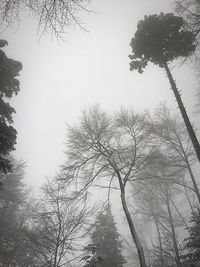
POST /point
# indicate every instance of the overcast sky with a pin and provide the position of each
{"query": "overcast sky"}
(60, 78)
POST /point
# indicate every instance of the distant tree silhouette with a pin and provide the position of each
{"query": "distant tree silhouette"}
(14, 245)
(9, 86)
(58, 225)
(170, 132)
(161, 39)
(105, 247)
(192, 256)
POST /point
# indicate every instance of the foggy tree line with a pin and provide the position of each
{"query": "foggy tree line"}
(39, 232)
(150, 159)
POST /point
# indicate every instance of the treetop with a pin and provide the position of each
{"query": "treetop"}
(160, 38)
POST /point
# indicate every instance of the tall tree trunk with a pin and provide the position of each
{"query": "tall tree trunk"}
(130, 222)
(133, 231)
(189, 127)
(178, 261)
(160, 241)
(196, 189)
(188, 198)
(186, 159)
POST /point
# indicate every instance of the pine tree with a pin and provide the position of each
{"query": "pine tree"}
(192, 257)
(105, 247)
(160, 39)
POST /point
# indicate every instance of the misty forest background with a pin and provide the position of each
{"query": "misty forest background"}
(127, 190)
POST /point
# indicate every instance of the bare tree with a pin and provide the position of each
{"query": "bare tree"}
(111, 150)
(58, 224)
(170, 222)
(174, 142)
(159, 196)
(148, 206)
(156, 204)
(190, 11)
(52, 15)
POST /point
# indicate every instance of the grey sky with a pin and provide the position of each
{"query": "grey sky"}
(61, 78)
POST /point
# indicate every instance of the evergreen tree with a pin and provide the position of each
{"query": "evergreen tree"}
(105, 247)
(192, 257)
(14, 249)
(160, 39)
(9, 86)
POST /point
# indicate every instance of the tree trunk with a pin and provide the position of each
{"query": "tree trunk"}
(133, 232)
(160, 241)
(186, 159)
(196, 189)
(188, 198)
(189, 127)
(129, 220)
(178, 261)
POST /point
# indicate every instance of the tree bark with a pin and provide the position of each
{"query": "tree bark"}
(189, 127)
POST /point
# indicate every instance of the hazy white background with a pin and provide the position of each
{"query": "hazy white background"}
(59, 79)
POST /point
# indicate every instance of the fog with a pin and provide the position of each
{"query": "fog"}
(89, 67)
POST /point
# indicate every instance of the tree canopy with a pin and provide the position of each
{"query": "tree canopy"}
(160, 37)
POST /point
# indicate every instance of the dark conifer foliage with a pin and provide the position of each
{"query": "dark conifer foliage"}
(158, 39)
(161, 39)
(192, 257)
(105, 247)
(9, 86)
